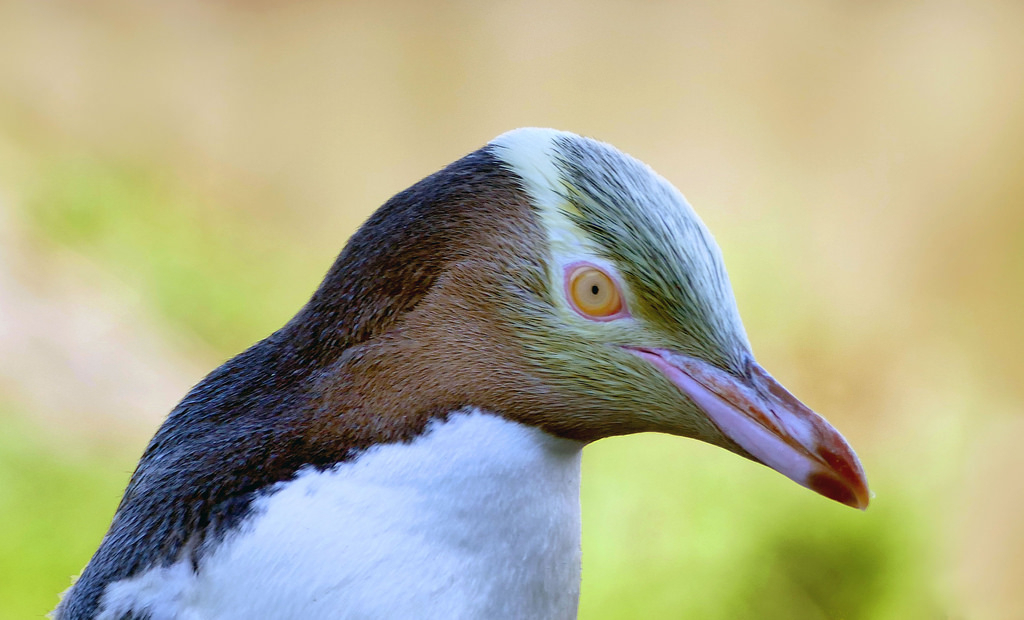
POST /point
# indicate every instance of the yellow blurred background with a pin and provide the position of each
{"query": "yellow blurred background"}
(176, 177)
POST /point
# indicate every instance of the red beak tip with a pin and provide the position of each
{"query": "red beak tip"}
(851, 493)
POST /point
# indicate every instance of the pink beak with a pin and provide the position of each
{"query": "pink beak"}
(763, 418)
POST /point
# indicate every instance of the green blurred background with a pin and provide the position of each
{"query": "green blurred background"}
(176, 177)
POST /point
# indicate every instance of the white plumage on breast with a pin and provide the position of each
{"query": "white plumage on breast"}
(477, 518)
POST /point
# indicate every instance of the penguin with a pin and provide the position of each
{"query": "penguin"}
(408, 445)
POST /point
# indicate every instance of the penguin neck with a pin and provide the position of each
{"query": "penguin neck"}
(476, 495)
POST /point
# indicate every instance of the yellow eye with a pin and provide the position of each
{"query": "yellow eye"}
(593, 292)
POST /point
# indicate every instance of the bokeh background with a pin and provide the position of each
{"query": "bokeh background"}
(176, 177)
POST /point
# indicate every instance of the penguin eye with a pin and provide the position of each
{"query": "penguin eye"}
(593, 293)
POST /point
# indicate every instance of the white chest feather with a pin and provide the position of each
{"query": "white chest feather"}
(477, 518)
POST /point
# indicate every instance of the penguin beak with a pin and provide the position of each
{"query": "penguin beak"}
(770, 424)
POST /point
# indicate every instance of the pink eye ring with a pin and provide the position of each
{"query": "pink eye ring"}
(593, 293)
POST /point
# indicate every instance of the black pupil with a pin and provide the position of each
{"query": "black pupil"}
(594, 290)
